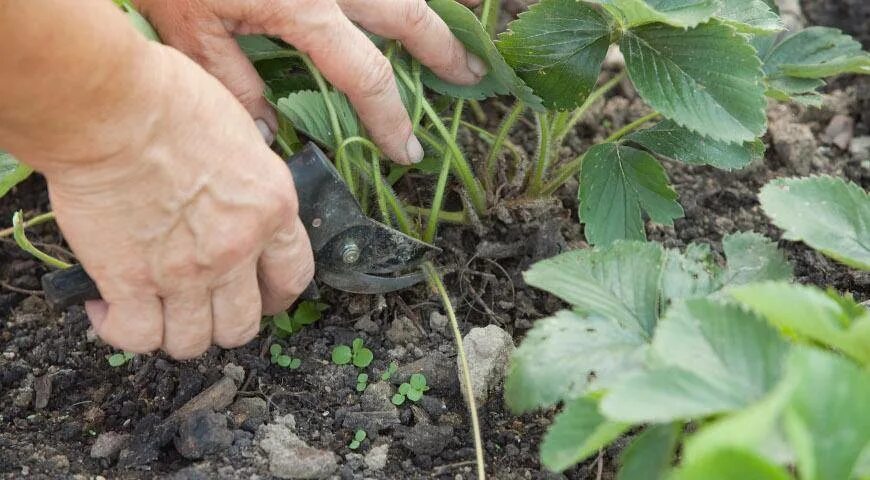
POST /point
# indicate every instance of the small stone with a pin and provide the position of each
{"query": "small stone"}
(289, 456)
(109, 444)
(59, 463)
(42, 391)
(860, 148)
(488, 351)
(202, 433)
(403, 331)
(426, 439)
(438, 322)
(249, 413)
(234, 372)
(376, 459)
(23, 398)
(794, 142)
(366, 324)
(839, 131)
(432, 366)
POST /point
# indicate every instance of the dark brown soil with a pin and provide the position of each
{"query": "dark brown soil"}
(88, 397)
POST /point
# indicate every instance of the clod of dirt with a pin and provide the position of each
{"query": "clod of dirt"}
(438, 322)
(403, 331)
(425, 439)
(438, 378)
(365, 324)
(794, 142)
(377, 412)
(488, 351)
(289, 456)
(109, 444)
(249, 413)
(860, 148)
(216, 397)
(202, 433)
(376, 459)
(840, 131)
(42, 391)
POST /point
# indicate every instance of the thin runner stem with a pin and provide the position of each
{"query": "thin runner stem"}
(631, 127)
(24, 243)
(37, 220)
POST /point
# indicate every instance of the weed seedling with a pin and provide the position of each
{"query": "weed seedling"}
(118, 359)
(391, 369)
(282, 359)
(358, 438)
(362, 381)
(357, 353)
(306, 313)
(411, 390)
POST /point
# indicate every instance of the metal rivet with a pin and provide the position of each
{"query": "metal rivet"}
(350, 252)
(316, 222)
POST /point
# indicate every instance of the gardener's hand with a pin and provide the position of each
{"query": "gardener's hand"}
(204, 29)
(191, 227)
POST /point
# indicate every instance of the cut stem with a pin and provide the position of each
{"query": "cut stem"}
(441, 186)
(436, 284)
(37, 220)
(24, 243)
(458, 218)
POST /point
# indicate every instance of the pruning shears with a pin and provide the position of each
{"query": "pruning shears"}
(352, 252)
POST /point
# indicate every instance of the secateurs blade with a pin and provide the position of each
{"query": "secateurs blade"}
(352, 252)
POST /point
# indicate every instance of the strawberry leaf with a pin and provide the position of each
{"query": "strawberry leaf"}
(650, 454)
(670, 140)
(501, 78)
(577, 432)
(750, 16)
(816, 52)
(616, 183)
(12, 172)
(307, 110)
(706, 79)
(678, 13)
(557, 47)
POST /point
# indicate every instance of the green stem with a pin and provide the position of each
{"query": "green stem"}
(437, 285)
(37, 220)
(495, 149)
(490, 138)
(489, 15)
(458, 218)
(542, 157)
(24, 243)
(562, 175)
(582, 109)
(477, 110)
(441, 186)
(631, 127)
(418, 94)
(379, 189)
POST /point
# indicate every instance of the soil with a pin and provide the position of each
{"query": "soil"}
(58, 393)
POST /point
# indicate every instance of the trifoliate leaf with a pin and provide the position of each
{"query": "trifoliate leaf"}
(577, 432)
(12, 172)
(307, 111)
(557, 47)
(730, 464)
(750, 16)
(650, 454)
(816, 52)
(341, 355)
(824, 212)
(706, 79)
(679, 13)
(753, 258)
(670, 140)
(809, 313)
(501, 78)
(616, 183)
(712, 357)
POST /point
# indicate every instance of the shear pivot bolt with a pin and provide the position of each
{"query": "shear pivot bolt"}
(350, 252)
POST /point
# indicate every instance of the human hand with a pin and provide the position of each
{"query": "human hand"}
(204, 29)
(190, 231)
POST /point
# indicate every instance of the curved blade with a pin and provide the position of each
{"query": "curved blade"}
(357, 282)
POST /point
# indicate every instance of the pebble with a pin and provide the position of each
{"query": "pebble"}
(403, 331)
(860, 148)
(203, 433)
(438, 322)
(376, 458)
(109, 444)
(42, 391)
(366, 324)
(249, 413)
(289, 456)
(794, 142)
(488, 351)
(840, 131)
(439, 377)
(424, 439)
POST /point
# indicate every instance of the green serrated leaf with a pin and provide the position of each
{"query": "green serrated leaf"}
(678, 13)
(810, 313)
(693, 273)
(501, 78)
(307, 312)
(670, 140)
(341, 355)
(712, 357)
(282, 321)
(827, 213)
(752, 258)
(307, 110)
(816, 52)
(557, 47)
(12, 172)
(750, 16)
(706, 79)
(577, 432)
(650, 454)
(363, 357)
(730, 464)
(616, 183)
(116, 360)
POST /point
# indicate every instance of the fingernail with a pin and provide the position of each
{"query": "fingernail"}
(477, 65)
(414, 149)
(265, 131)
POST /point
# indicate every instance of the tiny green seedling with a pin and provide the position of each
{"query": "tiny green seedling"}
(390, 371)
(305, 314)
(362, 381)
(357, 353)
(283, 360)
(117, 359)
(358, 438)
(411, 390)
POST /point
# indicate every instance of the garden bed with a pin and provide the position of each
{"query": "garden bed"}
(58, 393)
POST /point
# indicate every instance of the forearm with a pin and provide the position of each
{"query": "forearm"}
(71, 74)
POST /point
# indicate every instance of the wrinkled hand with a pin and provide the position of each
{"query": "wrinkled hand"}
(191, 231)
(204, 29)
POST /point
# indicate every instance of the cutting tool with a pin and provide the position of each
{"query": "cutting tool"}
(352, 252)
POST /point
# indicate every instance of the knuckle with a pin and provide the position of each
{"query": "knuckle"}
(416, 16)
(237, 334)
(186, 352)
(377, 80)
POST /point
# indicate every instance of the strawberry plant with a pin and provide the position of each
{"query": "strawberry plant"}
(357, 354)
